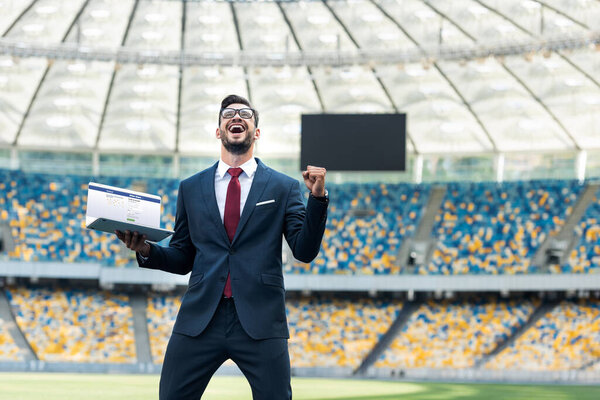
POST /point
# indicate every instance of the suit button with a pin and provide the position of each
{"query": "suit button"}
(231, 251)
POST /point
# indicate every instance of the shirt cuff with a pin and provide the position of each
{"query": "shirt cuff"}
(322, 199)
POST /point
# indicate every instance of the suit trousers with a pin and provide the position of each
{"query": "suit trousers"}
(190, 362)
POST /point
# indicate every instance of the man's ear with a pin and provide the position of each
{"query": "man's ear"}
(256, 134)
(218, 133)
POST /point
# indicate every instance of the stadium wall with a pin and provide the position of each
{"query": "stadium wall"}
(110, 276)
(482, 375)
(416, 374)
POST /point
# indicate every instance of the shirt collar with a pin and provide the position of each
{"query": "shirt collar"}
(249, 168)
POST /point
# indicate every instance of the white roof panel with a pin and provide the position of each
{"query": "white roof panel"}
(512, 117)
(370, 27)
(46, 22)
(102, 23)
(156, 25)
(68, 107)
(19, 78)
(9, 11)
(281, 95)
(422, 23)
(351, 89)
(316, 28)
(263, 28)
(203, 89)
(437, 119)
(210, 27)
(570, 95)
(142, 111)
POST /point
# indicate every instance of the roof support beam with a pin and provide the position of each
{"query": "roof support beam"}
(239, 37)
(535, 35)
(179, 87)
(536, 98)
(377, 78)
(454, 88)
(544, 106)
(112, 79)
(42, 80)
(25, 11)
(308, 68)
(567, 16)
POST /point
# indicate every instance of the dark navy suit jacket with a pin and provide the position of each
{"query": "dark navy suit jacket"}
(200, 245)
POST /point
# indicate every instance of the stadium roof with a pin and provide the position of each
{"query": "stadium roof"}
(474, 76)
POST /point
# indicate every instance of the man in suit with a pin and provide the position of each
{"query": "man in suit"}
(228, 232)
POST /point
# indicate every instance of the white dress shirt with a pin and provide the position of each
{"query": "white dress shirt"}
(222, 179)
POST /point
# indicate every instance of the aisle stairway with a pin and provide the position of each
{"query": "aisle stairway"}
(542, 310)
(560, 245)
(140, 327)
(7, 315)
(418, 249)
(387, 338)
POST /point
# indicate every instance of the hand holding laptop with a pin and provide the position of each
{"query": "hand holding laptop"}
(134, 241)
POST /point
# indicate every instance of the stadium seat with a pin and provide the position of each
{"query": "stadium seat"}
(365, 228)
(567, 338)
(455, 333)
(9, 351)
(585, 256)
(75, 325)
(330, 332)
(491, 228)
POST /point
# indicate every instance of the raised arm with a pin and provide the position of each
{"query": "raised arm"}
(304, 227)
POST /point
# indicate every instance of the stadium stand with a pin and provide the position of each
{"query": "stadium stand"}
(46, 214)
(585, 257)
(455, 333)
(481, 228)
(336, 332)
(75, 325)
(567, 338)
(161, 313)
(9, 351)
(365, 228)
(490, 228)
(324, 330)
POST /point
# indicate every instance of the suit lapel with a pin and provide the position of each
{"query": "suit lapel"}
(210, 200)
(259, 183)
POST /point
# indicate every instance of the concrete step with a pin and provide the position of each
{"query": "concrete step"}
(562, 243)
(386, 340)
(542, 310)
(9, 319)
(140, 327)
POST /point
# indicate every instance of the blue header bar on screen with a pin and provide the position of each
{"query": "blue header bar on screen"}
(131, 195)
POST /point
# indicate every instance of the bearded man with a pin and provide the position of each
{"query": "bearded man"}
(228, 233)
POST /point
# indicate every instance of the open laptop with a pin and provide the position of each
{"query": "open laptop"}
(111, 209)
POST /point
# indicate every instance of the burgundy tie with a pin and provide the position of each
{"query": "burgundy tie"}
(231, 217)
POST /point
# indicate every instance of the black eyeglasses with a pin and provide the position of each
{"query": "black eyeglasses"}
(245, 113)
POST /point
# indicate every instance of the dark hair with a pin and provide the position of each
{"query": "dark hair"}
(235, 99)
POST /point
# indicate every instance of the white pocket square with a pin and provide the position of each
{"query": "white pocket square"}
(262, 203)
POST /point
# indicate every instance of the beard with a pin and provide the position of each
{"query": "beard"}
(240, 147)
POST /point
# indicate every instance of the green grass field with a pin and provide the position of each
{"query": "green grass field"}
(49, 386)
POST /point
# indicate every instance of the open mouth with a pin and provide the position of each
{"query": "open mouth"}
(236, 128)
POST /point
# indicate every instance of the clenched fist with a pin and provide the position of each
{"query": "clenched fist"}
(314, 178)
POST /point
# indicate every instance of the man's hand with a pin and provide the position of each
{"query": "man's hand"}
(314, 178)
(135, 242)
